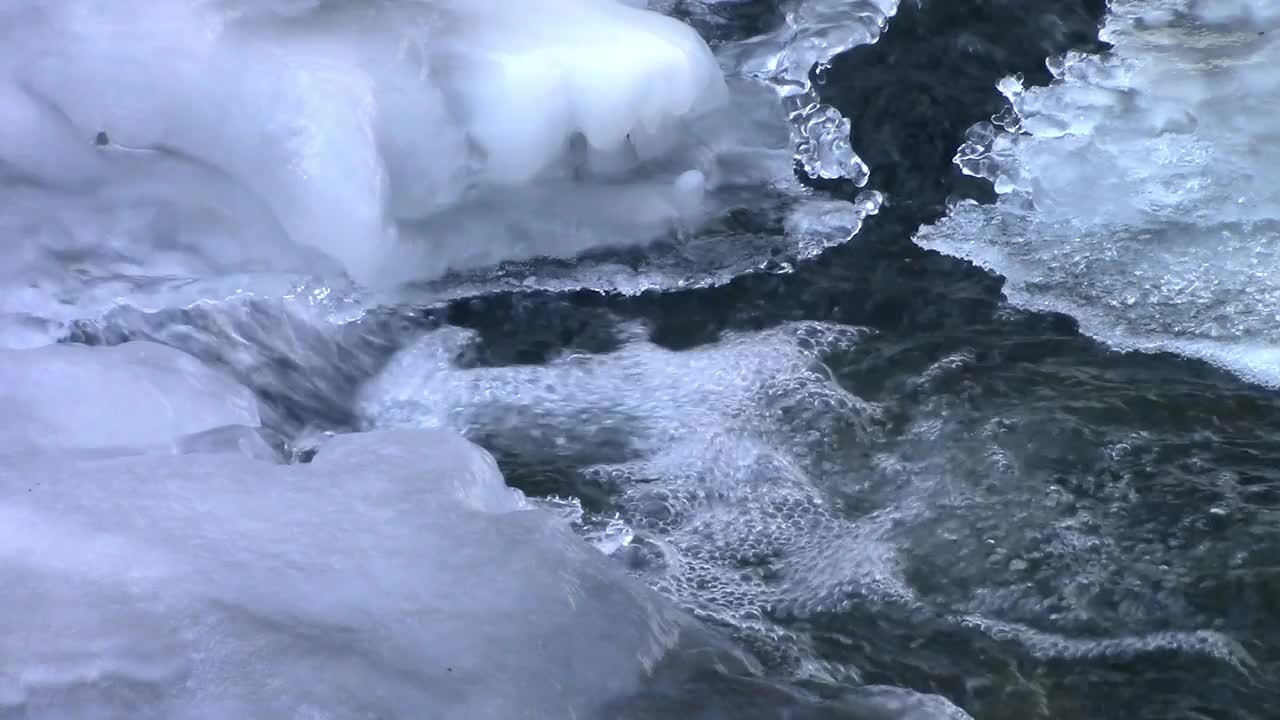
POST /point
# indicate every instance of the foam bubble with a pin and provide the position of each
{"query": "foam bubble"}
(742, 530)
(766, 498)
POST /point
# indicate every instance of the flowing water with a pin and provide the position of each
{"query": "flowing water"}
(926, 372)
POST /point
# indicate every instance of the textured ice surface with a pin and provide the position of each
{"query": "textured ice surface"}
(1140, 192)
(129, 397)
(166, 241)
(394, 576)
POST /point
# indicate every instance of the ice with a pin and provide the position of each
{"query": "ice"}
(458, 146)
(746, 164)
(814, 32)
(394, 576)
(750, 167)
(173, 239)
(131, 397)
(344, 121)
(620, 75)
(1140, 191)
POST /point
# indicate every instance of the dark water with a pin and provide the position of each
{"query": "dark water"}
(1079, 533)
(1132, 495)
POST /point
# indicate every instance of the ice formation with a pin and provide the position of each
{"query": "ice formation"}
(394, 576)
(1139, 190)
(775, 119)
(158, 561)
(343, 123)
(814, 32)
(283, 146)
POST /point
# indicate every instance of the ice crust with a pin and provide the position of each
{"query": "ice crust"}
(394, 576)
(1139, 191)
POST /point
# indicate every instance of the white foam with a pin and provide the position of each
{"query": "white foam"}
(394, 576)
(765, 497)
(282, 144)
(1139, 191)
(717, 450)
